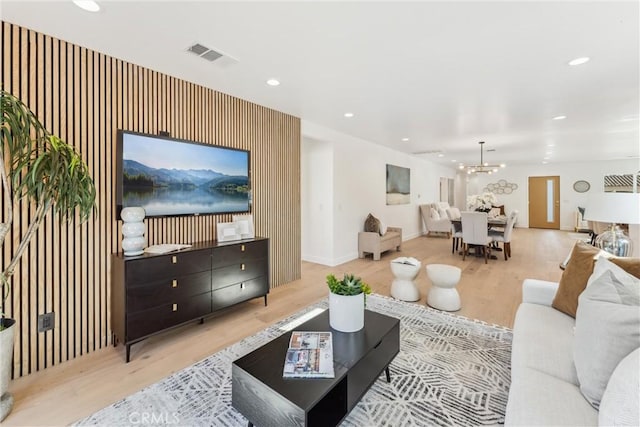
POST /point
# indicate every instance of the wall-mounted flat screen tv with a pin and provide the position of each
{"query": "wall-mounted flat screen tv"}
(170, 177)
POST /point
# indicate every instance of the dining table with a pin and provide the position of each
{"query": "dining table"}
(492, 221)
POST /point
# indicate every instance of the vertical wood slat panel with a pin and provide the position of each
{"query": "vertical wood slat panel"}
(84, 97)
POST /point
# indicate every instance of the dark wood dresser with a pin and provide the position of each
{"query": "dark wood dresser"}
(152, 293)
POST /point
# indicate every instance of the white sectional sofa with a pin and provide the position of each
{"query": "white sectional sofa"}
(545, 390)
(544, 384)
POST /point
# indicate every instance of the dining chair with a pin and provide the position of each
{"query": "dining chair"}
(456, 228)
(505, 235)
(475, 233)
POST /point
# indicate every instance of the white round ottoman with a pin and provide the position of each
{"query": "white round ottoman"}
(404, 270)
(443, 295)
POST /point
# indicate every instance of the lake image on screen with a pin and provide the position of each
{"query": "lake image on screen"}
(175, 178)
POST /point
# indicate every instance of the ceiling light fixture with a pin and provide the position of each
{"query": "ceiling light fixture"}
(559, 117)
(405, 139)
(579, 61)
(348, 115)
(88, 5)
(483, 167)
(273, 82)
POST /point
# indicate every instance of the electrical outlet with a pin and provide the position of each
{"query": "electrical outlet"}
(46, 321)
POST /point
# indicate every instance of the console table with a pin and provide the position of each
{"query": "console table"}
(264, 397)
(151, 293)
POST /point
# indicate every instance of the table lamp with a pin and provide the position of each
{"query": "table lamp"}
(614, 208)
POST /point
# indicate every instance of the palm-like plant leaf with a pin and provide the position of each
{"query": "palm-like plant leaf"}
(42, 168)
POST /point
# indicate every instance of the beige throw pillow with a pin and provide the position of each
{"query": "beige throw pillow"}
(574, 278)
(607, 329)
(372, 224)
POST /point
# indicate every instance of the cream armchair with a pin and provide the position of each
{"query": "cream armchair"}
(375, 244)
(434, 222)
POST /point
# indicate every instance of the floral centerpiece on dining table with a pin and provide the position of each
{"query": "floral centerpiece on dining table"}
(482, 202)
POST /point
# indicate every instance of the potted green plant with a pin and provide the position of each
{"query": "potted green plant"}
(346, 302)
(50, 174)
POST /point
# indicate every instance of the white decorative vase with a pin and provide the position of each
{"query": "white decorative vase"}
(133, 230)
(6, 356)
(346, 312)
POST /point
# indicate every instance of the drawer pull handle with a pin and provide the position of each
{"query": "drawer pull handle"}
(174, 283)
(241, 248)
(377, 345)
(174, 259)
(242, 267)
(175, 307)
(242, 285)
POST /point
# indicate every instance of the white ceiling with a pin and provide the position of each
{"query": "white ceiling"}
(444, 74)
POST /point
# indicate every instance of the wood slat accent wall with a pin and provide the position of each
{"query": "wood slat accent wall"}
(84, 97)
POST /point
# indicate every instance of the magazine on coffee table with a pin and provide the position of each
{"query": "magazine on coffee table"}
(310, 355)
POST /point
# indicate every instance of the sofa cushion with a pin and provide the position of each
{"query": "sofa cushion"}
(433, 213)
(574, 278)
(620, 404)
(538, 399)
(390, 235)
(543, 341)
(607, 329)
(372, 224)
(383, 227)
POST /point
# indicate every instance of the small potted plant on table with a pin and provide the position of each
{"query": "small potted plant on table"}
(346, 302)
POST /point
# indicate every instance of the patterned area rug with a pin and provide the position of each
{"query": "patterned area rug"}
(450, 371)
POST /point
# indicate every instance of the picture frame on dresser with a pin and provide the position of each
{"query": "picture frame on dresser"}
(244, 226)
(227, 232)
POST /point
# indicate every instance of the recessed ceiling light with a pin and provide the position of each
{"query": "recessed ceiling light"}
(348, 115)
(559, 117)
(88, 5)
(551, 145)
(579, 61)
(544, 163)
(440, 155)
(405, 139)
(453, 161)
(273, 82)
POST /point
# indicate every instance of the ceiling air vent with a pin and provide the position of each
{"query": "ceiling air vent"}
(211, 55)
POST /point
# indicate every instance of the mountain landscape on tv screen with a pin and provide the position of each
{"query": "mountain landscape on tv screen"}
(137, 177)
(166, 192)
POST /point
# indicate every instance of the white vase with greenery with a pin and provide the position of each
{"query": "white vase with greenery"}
(346, 302)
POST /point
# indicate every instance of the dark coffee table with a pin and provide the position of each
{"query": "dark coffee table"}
(266, 399)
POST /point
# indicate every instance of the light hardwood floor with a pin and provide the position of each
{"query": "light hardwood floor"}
(70, 391)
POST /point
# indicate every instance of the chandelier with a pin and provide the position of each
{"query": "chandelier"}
(483, 167)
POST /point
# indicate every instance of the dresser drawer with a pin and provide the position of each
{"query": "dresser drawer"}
(143, 323)
(239, 292)
(238, 272)
(243, 252)
(167, 291)
(359, 378)
(146, 270)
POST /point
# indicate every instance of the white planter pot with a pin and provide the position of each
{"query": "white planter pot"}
(6, 356)
(346, 313)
